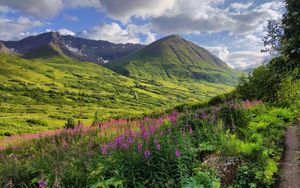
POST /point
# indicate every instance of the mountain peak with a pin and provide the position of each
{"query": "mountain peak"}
(170, 38)
(53, 34)
(77, 48)
(173, 36)
(173, 57)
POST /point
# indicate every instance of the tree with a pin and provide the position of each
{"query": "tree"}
(272, 41)
(291, 26)
(261, 84)
(283, 38)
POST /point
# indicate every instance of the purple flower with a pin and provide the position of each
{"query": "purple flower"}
(140, 147)
(158, 147)
(119, 140)
(104, 149)
(161, 134)
(173, 118)
(142, 127)
(147, 154)
(146, 136)
(42, 183)
(191, 131)
(177, 153)
(129, 140)
(155, 141)
(125, 146)
(204, 115)
(151, 129)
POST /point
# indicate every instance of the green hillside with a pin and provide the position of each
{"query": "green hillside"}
(40, 94)
(174, 58)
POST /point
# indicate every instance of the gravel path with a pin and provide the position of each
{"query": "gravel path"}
(290, 171)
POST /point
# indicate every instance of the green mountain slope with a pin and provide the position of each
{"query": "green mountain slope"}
(174, 58)
(40, 94)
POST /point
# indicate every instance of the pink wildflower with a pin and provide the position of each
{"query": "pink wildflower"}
(158, 147)
(204, 115)
(140, 147)
(104, 149)
(125, 146)
(42, 183)
(147, 154)
(177, 153)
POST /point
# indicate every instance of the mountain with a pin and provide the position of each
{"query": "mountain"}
(52, 43)
(174, 58)
(4, 49)
(40, 94)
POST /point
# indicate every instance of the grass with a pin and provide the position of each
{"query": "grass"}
(55, 88)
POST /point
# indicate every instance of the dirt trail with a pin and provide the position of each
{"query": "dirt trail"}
(290, 169)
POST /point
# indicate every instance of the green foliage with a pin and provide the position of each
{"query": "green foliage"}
(37, 122)
(278, 81)
(288, 93)
(75, 158)
(202, 180)
(291, 40)
(97, 118)
(262, 84)
(70, 124)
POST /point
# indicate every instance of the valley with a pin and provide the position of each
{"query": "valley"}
(42, 93)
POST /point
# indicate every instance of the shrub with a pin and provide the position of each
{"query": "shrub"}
(70, 124)
(37, 122)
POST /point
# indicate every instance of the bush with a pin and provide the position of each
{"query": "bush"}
(70, 124)
(37, 122)
(261, 84)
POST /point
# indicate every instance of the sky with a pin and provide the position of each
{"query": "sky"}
(231, 29)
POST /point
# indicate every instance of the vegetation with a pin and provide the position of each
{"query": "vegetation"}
(174, 58)
(56, 88)
(173, 150)
(278, 82)
(234, 140)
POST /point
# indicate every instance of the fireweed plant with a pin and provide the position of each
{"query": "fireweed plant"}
(169, 151)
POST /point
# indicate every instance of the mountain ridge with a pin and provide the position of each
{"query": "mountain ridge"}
(73, 47)
(173, 57)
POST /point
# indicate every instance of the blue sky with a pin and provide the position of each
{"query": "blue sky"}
(231, 29)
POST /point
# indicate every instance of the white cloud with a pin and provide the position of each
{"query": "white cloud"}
(206, 16)
(82, 3)
(42, 9)
(45, 9)
(71, 18)
(142, 29)
(4, 9)
(64, 31)
(244, 59)
(240, 6)
(220, 51)
(124, 10)
(113, 32)
(151, 37)
(239, 59)
(16, 29)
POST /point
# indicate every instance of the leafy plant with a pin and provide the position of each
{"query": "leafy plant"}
(70, 124)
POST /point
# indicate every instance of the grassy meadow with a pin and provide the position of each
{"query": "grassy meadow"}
(41, 94)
